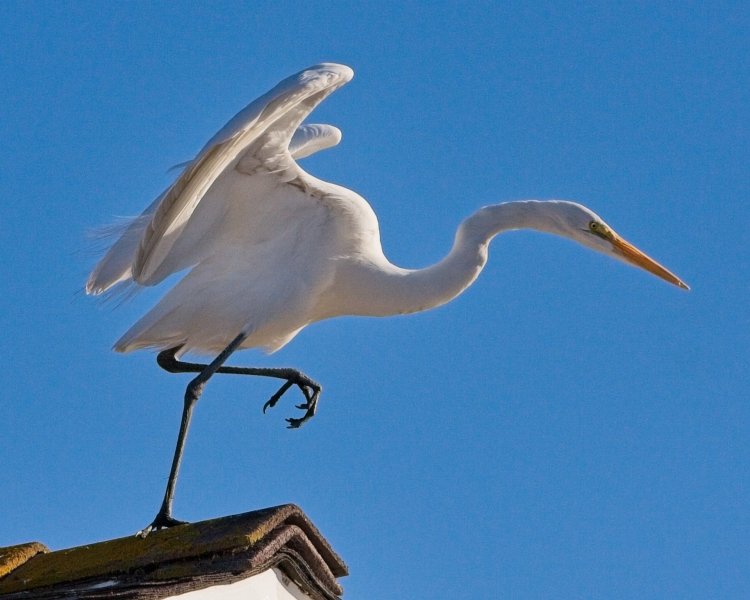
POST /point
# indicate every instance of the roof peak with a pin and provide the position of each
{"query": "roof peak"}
(193, 555)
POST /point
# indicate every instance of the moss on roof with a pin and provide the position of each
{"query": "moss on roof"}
(168, 553)
(13, 557)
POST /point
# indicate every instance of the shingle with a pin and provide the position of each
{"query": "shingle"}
(185, 557)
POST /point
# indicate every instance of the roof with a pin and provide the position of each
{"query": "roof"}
(179, 559)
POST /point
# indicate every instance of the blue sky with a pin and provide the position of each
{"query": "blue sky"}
(569, 427)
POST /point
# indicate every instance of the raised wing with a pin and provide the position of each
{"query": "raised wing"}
(267, 125)
(264, 137)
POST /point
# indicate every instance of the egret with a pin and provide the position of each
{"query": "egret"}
(269, 249)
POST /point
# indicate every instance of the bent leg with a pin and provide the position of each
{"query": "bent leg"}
(168, 361)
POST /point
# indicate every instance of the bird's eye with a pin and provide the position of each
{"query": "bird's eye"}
(600, 230)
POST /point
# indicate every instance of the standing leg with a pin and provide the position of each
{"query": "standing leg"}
(192, 393)
(168, 362)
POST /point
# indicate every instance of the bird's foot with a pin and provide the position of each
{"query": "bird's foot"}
(162, 521)
(309, 407)
(310, 389)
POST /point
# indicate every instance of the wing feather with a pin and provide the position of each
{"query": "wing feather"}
(261, 132)
(312, 138)
(151, 236)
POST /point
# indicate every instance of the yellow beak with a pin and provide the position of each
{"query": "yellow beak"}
(639, 259)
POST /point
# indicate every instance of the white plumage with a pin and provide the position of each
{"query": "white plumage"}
(269, 249)
(254, 228)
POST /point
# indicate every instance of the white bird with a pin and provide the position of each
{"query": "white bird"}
(270, 249)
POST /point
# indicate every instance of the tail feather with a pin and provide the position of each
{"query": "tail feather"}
(116, 265)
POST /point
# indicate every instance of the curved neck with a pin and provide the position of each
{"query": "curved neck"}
(376, 287)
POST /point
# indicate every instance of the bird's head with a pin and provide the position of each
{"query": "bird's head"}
(586, 227)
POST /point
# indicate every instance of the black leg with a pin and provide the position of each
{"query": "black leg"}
(307, 386)
(169, 362)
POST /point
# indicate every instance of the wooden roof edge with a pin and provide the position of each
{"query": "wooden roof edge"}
(195, 546)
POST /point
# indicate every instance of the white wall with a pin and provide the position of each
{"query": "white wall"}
(268, 585)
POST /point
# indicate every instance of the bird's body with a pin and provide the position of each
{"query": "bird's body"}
(269, 249)
(236, 285)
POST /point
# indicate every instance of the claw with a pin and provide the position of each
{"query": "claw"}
(143, 533)
(309, 409)
(275, 398)
(310, 390)
(161, 521)
(294, 423)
